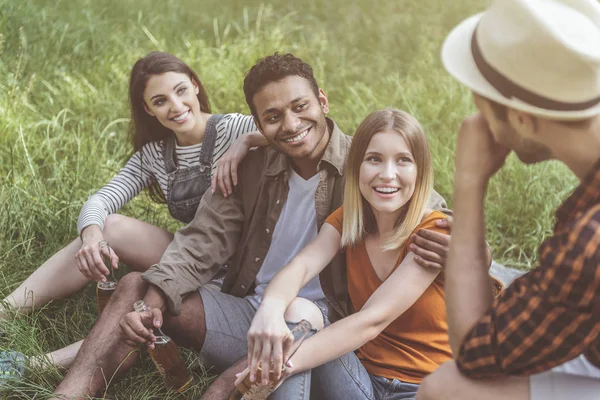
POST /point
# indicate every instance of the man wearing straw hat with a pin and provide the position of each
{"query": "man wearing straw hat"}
(534, 69)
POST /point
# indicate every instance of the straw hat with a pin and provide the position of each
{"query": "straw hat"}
(537, 56)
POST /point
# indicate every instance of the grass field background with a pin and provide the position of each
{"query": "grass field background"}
(64, 69)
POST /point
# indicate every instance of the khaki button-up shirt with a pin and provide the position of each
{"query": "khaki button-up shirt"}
(237, 231)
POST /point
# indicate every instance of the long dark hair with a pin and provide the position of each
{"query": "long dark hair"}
(145, 128)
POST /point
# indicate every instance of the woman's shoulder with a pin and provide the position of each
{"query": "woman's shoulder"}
(152, 149)
(336, 218)
(151, 154)
(429, 219)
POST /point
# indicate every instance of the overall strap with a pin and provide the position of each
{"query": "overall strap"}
(169, 154)
(208, 143)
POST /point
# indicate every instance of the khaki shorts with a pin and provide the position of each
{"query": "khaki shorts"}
(228, 319)
(577, 379)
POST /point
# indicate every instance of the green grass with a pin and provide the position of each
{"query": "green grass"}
(63, 120)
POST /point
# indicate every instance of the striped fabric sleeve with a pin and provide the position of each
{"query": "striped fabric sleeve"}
(128, 183)
(546, 317)
(230, 128)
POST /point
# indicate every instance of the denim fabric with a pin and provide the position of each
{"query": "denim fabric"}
(347, 379)
(228, 319)
(187, 186)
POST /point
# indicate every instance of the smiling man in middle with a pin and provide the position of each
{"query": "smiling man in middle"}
(285, 193)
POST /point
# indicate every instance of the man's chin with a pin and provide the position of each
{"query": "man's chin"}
(295, 152)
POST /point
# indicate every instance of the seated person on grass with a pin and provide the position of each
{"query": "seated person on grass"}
(283, 196)
(398, 329)
(177, 144)
(534, 69)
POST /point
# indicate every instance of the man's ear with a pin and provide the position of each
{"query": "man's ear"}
(148, 110)
(323, 100)
(524, 123)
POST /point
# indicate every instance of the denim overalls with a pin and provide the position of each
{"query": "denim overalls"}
(187, 186)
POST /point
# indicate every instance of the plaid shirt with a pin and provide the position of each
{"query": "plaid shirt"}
(551, 314)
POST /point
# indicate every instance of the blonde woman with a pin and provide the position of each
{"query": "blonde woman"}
(398, 333)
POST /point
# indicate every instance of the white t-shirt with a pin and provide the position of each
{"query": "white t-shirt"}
(296, 227)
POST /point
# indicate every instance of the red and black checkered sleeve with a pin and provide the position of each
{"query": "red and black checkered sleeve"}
(546, 317)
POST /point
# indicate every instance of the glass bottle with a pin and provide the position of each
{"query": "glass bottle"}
(166, 358)
(249, 390)
(105, 289)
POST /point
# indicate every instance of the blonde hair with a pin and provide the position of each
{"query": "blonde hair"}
(358, 217)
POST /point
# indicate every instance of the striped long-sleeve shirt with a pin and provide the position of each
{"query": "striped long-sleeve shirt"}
(552, 314)
(148, 166)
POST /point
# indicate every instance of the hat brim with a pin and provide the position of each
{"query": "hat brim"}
(458, 61)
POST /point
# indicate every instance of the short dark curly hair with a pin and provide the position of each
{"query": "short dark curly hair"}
(275, 68)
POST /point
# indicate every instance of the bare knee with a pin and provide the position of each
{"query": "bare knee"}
(189, 327)
(113, 228)
(132, 281)
(301, 308)
(131, 286)
(439, 384)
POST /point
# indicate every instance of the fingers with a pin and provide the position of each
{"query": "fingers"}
(241, 376)
(88, 258)
(445, 223)
(133, 329)
(424, 247)
(430, 253)
(276, 360)
(280, 352)
(255, 359)
(98, 267)
(234, 163)
(213, 179)
(435, 237)
(234, 168)
(265, 362)
(107, 253)
(82, 266)
(127, 335)
(426, 254)
(157, 318)
(425, 263)
(220, 179)
(228, 178)
(224, 178)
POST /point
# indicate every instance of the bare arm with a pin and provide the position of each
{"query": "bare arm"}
(226, 175)
(269, 336)
(256, 139)
(396, 295)
(431, 247)
(466, 265)
(468, 293)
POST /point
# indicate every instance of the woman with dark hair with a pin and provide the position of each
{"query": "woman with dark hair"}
(177, 143)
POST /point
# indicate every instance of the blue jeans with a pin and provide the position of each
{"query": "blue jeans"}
(347, 379)
(228, 319)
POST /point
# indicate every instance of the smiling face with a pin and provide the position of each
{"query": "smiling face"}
(172, 98)
(292, 118)
(388, 173)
